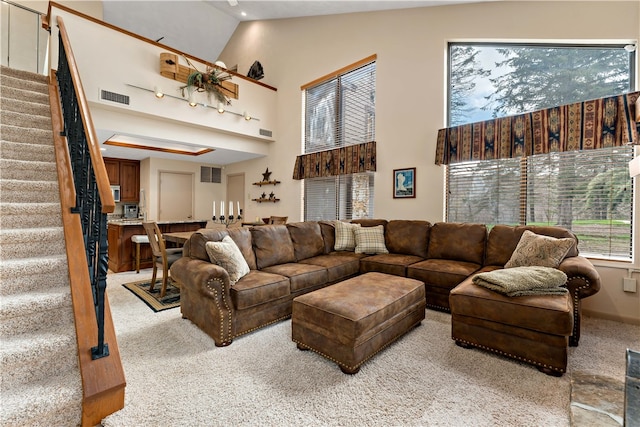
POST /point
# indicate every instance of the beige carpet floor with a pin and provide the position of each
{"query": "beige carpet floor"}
(177, 377)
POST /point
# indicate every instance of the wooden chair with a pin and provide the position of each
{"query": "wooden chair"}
(162, 256)
(278, 219)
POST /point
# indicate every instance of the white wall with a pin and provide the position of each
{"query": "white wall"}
(411, 46)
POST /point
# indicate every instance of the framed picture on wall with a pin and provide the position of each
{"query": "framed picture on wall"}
(404, 183)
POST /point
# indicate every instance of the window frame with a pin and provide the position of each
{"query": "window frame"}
(523, 189)
(343, 184)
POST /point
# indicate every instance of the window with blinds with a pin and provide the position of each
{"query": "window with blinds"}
(589, 192)
(340, 111)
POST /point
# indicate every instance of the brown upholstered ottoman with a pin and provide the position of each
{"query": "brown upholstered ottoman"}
(352, 320)
(532, 329)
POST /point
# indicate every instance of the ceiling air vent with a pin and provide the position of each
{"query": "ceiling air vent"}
(265, 132)
(114, 97)
(208, 174)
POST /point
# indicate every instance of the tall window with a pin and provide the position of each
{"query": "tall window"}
(340, 111)
(588, 192)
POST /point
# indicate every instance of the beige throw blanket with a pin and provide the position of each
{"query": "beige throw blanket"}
(520, 281)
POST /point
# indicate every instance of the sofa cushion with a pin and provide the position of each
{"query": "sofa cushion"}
(503, 239)
(272, 245)
(302, 277)
(457, 241)
(307, 239)
(339, 265)
(542, 313)
(441, 273)
(328, 235)
(227, 255)
(408, 237)
(345, 238)
(242, 237)
(536, 250)
(395, 264)
(370, 240)
(258, 287)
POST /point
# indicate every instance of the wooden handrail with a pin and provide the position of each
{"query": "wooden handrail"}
(103, 380)
(102, 179)
(46, 20)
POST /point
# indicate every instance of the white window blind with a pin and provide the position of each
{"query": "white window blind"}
(340, 111)
(589, 192)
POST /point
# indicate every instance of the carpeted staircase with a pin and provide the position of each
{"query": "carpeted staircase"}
(38, 352)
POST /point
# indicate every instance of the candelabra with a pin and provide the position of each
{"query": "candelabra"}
(229, 219)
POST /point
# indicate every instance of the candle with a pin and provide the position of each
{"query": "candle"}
(230, 208)
(238, 208)
(221, 208)
(214, 208)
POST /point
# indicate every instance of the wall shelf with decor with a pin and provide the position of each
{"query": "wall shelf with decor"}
(266, 200)
(261, 183)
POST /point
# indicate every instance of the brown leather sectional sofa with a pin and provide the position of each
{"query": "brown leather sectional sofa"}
(290, 260)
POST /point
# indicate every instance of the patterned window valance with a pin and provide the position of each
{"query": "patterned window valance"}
(599, 123)
(355, 158)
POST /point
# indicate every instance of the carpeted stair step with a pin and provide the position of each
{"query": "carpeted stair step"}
(31, 243)
(30, 275)
(35, 356)
(25, 120)
(40, 96)
(25, 151)
(23, 81)
(26, 170)
(15, 191)
(25, 107)
(24, 135)
(52, 401)
(30, 215)
(26, 76)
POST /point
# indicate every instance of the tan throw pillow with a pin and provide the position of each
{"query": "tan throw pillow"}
(538, 250)
(370, 240)
(345, 239)
(227, 255)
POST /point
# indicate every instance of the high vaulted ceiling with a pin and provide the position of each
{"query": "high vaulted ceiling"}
(203, 27)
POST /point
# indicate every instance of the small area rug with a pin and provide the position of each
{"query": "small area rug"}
(171, 298)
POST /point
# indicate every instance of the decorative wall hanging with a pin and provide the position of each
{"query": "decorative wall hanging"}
(404, 183)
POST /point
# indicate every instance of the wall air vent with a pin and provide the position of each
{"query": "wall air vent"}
(208, 174)
(114, 97)
(265, 132)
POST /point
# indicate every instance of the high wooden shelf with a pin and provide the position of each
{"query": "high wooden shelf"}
(265, 200)
(261, 183)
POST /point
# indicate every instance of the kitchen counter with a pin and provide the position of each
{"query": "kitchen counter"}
(122, 249)
(138, 221)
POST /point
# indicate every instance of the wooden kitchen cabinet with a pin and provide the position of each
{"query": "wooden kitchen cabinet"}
(129, 181)
(126, 174)
(113, 170)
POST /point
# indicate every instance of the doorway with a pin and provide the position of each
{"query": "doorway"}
(235, 189)
(175, 201)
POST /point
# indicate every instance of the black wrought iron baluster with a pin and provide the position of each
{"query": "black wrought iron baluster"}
(88, 204)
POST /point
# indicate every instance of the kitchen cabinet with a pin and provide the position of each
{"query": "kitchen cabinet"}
(113, 170)
(126, 174)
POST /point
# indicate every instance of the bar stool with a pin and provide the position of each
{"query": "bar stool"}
(139, 239)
